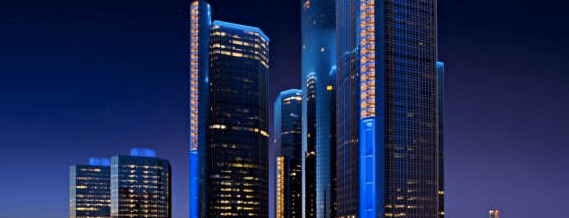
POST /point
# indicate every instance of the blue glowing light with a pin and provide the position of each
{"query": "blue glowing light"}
(194, 187)
(291, 92)
(240, 27)
(96, 161)
(367, 169)
(142, 152)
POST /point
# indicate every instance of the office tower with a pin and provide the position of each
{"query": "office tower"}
(390, 123)
(140, 185)
(90, 189)
(228, 117)
(494, 214)
(319, 60)
(288, 146)
(309, 158)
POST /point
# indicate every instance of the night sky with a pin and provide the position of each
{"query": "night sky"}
(94, 78)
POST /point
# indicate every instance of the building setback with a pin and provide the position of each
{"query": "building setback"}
(140, 185)
(90, 189)
(228, 117)
(288, 146)
(388, 73)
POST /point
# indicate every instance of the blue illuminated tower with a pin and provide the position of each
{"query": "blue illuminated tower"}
(319, 60)
(390, 136)
(228, 117)
(90, 189)
(198, 106)
(288, 146)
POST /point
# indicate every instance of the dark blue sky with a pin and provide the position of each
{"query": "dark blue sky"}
(94, 78)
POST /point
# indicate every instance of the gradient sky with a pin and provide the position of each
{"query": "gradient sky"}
(94, 78)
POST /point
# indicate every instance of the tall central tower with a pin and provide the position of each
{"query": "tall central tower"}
(318, 66)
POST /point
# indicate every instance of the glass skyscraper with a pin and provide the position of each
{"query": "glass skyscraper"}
(228, 117)
(347, 112)
(390, 124)
(309, 146)
(288, 146)
(319, 61)
(140, 185)
(90, 189)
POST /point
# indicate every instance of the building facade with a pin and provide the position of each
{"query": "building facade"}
(228, 117)
(140, 185)
(199, 107)
(318, 60)
(288, 146)
(347, 95)
(309, 149)
(90, 189)
(390, 129)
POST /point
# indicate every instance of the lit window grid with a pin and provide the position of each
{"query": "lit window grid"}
(194, 75)
(367, 58)
(280, 187)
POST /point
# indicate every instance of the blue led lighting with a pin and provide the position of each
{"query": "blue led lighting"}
(142, 152)
(194, 187)
(368, 170)
(240, 27)
(97, 161)
(291, 92)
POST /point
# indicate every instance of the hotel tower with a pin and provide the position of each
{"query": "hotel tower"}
(228, 117)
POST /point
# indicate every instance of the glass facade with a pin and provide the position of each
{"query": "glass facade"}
(288, 135)
(238, 137)
(90, 189)
(347, 95)
(140, 185)
(399, 87)
(198, 106)
(227, 117)
(309, 149)
(319, 60)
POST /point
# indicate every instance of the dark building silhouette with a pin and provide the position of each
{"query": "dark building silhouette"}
(228, 117)
(309, 158)
(288, 146)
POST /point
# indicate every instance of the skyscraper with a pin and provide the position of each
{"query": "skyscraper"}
(319, 61)
(90, 189)
(494, 213)
(288, 138)
(309, 148)
(390, 123)
(140, 185)
(228, 117)
(347, 112)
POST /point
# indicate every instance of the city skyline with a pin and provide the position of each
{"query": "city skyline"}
(157, 109)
